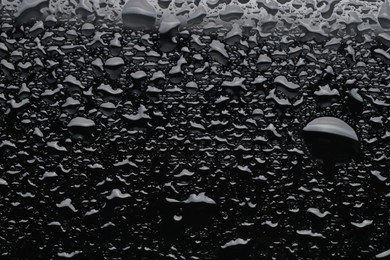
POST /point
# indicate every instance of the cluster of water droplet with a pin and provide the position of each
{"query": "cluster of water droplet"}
(172, 129)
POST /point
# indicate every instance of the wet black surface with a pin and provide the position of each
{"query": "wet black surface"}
(189, 150)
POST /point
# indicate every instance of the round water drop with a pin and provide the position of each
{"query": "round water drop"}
(87, 29)
(331, 140)
(81, 122)
(81, 127)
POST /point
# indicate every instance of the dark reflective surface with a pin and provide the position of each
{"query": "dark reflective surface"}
(128, 144)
